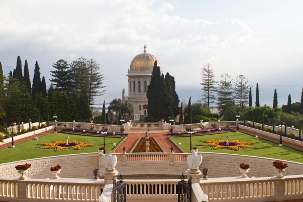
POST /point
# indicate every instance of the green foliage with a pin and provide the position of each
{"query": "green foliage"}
(225, 95)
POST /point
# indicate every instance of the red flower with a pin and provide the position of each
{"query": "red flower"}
(244, 166)
(55, 168)
(23, 166)
(280, 165)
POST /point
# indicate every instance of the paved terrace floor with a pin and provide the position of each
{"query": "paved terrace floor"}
(161, 136)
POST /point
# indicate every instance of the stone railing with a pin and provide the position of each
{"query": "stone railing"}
(152, 156)
(254, 189)
(164, 189)
(54, 190)
(217, 189)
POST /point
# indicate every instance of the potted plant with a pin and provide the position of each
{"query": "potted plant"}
(56, 170)
(280, 166)
(244, 170)
(21, 169)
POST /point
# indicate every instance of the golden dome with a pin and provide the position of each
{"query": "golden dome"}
(143, 62)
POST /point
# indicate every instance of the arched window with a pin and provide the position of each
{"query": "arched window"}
(130, 86)
(145, 86)
(134, 86)
(139, 86)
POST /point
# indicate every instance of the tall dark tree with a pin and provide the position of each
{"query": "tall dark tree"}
(43, 87)
(173, 99)
(257, 96)
(103, 114)
(188, 112)
(36, 88)
(154, 94)
(62, 76)
(1, 83)
(208, 85)
(289, 103)
(181, 115)
(27, 81)
(275, 100)
(18, 71)
(225, 93)
(2, 96)
(301, 104)
(96, 80)
(250, 98)
(241, 91)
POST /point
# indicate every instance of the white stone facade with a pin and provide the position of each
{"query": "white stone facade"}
(139, 76)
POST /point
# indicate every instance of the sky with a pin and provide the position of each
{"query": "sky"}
(261, 39)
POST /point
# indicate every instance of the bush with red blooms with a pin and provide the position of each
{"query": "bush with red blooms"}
(23, 166)
(280, 165)
(55, 168)
(244, 166)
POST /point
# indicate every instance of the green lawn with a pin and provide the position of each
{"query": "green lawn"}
(259, 148)
(32, 149)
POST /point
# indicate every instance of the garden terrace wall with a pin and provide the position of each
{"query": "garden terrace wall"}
(295, 144)
(26, 136)
(167, 164)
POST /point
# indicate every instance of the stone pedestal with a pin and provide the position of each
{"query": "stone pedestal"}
(109, 176)
(195, 175)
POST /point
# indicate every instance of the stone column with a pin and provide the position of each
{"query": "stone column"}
(171, 158)
(279, 190)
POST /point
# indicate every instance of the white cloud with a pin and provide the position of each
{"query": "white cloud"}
(112, 32)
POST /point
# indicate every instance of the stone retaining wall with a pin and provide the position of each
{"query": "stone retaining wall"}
(295, 144)
(83, 166)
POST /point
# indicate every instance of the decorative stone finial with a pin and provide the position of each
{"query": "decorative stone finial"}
(144, 48)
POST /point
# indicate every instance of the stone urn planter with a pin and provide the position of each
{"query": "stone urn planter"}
(110, 162)
(22, 170)
(244, 170)
(280, 167)
(194, 161)
(281, 173)
(56, 170)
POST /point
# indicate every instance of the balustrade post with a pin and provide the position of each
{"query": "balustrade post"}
(171, 158)
(124, 158)
(21, 190)
(279, 190)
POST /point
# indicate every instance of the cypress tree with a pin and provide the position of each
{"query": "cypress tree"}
(257, 96)
(18, 71)
(181, 119)
(275, 100)
(189, 112)
(301, 104)
(2, 111)
(43, 87)
(154, 94)
(1, 83)
(27, 81)
(103, 115)
(36, 88)
(250, 98)
(289, 104)
(172, 97)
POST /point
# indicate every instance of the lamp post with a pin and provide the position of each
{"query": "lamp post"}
(190, 132)
(13, 143)
(281, 134)
(104, 133)
(237, 121)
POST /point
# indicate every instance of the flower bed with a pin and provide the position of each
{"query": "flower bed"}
(61, 145)
(235, 145)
